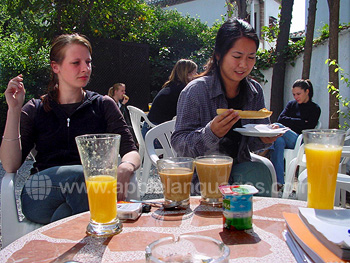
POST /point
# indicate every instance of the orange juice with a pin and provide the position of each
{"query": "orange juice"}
(176, 183)
(102, 195)
(322, 162)
(212, 172)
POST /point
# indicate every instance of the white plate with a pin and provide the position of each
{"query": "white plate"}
(260, 130)
(332, 224)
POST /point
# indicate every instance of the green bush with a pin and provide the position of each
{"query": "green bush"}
(170, 37)
(22, 54)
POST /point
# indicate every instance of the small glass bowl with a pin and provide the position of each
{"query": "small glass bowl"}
(187, 248)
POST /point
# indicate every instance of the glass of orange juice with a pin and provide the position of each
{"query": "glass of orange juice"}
(99, 157)
(213, 171)
(176, 175)
(323, 151)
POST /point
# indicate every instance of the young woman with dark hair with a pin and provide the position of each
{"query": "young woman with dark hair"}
(51, 125)
(299, 114)
(225, 83)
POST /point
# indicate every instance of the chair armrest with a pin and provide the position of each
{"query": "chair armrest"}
(8, 200)
(11, 227)
(150, 150)
(267, 162)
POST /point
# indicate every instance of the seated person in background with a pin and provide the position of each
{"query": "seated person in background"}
(51, 125)
(225, 84)
(164, 104)
(117, 93)
(300, 114)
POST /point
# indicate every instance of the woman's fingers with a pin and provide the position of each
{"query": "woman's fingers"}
(15, 92)
(16, 84)
(222, 123)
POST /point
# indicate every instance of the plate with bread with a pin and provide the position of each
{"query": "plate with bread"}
(249, 114)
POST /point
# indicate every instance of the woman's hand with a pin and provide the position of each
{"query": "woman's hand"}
(125, 171)
(125, 99)
(222, 123)
(268, 140)
(129, 164)
(15, 93)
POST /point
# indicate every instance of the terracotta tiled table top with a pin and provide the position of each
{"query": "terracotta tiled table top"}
(66, 239)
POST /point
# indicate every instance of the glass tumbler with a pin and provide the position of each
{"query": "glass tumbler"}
(323, 150)
(99, 157)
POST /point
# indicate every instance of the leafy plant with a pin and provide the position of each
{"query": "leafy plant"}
(345, 102)
(21, 54)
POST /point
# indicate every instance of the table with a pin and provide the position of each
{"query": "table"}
(65, 239)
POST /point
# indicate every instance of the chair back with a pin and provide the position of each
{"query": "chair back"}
(137, 118)
(163, 133)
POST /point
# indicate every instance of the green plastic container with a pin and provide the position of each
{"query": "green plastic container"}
(238, 206)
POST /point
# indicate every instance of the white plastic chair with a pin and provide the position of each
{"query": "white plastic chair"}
(343, 186)
(345, 160)
(268, 163)
(163, 133)
(299, 161)
(11, 227)
(137, 117)
(290, 154)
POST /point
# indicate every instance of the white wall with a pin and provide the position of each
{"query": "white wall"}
(318, 75)
(322, 14)
(271, 9)
(207, 10)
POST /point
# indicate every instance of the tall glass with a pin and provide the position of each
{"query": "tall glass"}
(99, 157)
(323, 151)
(213, 171)
(176, 175)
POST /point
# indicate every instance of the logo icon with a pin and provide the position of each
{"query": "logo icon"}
(38, 187)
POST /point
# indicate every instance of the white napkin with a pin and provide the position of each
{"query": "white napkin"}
(265, 128)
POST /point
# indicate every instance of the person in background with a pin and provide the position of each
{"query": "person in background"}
(164, 104)
(299, 114)
(225, 84)
(51, 124)
(118, 94)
